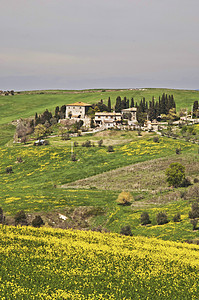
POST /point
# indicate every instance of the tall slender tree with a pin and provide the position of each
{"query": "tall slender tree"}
(109, 104)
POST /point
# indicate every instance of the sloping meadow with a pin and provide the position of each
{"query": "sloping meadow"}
(34, 181)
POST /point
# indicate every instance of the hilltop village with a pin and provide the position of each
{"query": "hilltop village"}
(78, 118)
(79, 111)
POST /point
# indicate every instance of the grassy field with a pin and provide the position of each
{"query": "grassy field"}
(35, 184)
(57, 264)
(27, 104)
(51, 263)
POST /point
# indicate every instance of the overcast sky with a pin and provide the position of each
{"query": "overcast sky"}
(79, 44)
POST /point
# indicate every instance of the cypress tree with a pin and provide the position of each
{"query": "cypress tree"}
(195, 108)
(56, 111)
(132, 102)
(127, 103)
(109, 104)
(118, 104)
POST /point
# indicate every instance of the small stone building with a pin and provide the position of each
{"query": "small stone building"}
(77, 110)
(130, 115)
(107, 119)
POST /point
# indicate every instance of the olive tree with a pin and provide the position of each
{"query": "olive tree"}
(175, 174)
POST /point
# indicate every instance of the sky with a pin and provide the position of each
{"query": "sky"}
(81, 44)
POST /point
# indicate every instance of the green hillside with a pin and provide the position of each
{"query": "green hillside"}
(25, 105)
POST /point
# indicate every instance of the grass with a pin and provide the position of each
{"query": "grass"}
(27, 104)
(35, 183)
(6, 133)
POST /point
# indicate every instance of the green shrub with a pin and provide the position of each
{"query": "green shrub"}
(175, 174)
(194, 222)
(144, 219)
(124, 198)
(177, 218)
(19, 159)
(156, 139)
(126, 230)
(2, 218)
(161, 218)
(73, 157)
(20, 218)
(37, 221)
(110, 149)
(86, 144)
(100, 142)
(194, 213)
(9, 170)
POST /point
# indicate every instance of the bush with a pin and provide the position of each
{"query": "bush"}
(194, 222)
(186, 182)
(110, 149)
(126, 230)
(175, 174)
(177, 218)
(86, 144)
(76, 144)
(161, 218)
(156, 139)
(9, 170)
(196, 180)
(144, 219)
(194, 213)
(178, 150)
(73, 157)
(20, 218)
(37, 221)
(19, 159)
(2, 218)
(124, 198)
(100, 142)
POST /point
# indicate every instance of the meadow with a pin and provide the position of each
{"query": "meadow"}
(48, 181)
(26, 104)
(51, 263)
(66, 264)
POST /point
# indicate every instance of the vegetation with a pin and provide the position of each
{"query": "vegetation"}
(37, 221)
(144, 219)
(124, 198)
(161, 218)
(54, 186)
(175, 174)
(81, 265)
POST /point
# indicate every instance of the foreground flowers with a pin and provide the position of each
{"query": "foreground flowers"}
(56, 264)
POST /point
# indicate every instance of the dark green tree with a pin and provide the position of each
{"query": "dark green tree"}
(132, 102)
(118, 105)
(195, 108)
(109, 104)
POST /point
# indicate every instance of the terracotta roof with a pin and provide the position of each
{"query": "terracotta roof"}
(79, 104)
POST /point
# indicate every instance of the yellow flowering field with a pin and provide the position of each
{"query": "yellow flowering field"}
(66, 264)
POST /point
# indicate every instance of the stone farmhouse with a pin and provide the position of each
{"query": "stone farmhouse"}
(108, 119)
(78, 111)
